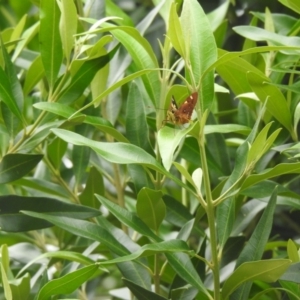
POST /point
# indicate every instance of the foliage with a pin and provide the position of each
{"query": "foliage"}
(98, 198)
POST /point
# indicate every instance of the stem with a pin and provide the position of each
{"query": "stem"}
(211, 218)
(156, 276)
(120, 191)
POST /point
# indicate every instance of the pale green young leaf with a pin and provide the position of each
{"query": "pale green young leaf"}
(183, 171)
(217, 16)
(201, 49)
(168, 140)
(5, 284)
(67, 283)
(292, 251)
(169, 246)
(268, 271)
(26, 37)
(141, 53)
(197, 178)
(113, 9)
(65, 255)
(17, 32)
(296, 117)
(121, 153)
(175, 32)
(20, 287)
(292, 4)
(258, 148)
(67, 25)
(278, 170)
(50, 43)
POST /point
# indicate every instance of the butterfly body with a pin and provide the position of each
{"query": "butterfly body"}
(182, 115)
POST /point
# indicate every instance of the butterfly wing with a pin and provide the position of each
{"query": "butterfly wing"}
(184, 113)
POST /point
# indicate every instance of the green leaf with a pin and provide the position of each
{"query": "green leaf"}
(20, 287)
(139, 177)
(136, 124)
(183, 266)
(292, 4)
(280, 169)
(81, 155)
(293, 295)
(12, 76)
(50, 43)
(128, 219)
(168, 140)
(184, 172)
(179, 262)
(5, 284)
(292, 251)
(39, 135)
(268, 271)
(34, 74)
(226, 128)
(140, 292)
(259, 34)
(261, 144)
(27, 35)
(67, 25)
(64, 255)
(114, 10)
(94, 185)
(179, 215)
(17, 31)
(12, 220)
(55, 152)
(119, 153)
(276, 102)
(6, 95)
(151, 208)
(43, 186)
(131, 270)
(68, 283)
(84, 76)
(225, 211)
(84, 229)
(199, 39)
(67, 111)
(175, 32)
(142, 54)
(218, 15)
(15, 166)
(151, 249)
(255, 247)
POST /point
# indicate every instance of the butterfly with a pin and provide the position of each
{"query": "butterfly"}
(181, 115)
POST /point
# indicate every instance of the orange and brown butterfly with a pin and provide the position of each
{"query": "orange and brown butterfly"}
(181, 115)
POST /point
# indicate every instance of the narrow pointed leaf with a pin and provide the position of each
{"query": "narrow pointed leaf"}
(268, 271)
(151, 249)
(12, 220)
(68, 283)
(15, 166)
(50, 43)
